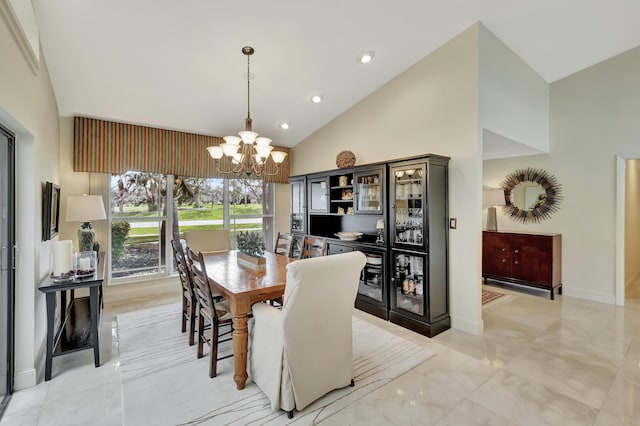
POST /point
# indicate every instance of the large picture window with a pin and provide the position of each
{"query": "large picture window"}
(149, 210)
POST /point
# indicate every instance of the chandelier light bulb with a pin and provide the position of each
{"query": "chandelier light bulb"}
(278, 156)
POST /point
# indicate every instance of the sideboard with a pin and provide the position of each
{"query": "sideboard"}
(531, 259)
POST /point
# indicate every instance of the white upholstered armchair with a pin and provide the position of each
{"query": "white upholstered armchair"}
(304, 351)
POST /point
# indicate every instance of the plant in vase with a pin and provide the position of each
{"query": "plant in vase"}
(251, 248)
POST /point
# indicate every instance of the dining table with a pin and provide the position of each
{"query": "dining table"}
(242, 286)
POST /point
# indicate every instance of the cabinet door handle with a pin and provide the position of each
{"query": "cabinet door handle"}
(516, 251)
(516, 262)
(504, 260)
(504, 249)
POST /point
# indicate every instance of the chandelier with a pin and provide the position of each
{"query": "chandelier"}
(248, 152)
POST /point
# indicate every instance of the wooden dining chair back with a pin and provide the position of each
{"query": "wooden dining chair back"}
(212, 316)
(284, 244)
(313, 247)
(189, 300)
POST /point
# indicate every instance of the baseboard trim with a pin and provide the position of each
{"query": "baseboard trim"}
(120, 292)
(594, 296)
(25, 379)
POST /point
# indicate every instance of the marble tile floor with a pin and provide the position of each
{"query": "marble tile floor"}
(539, 362)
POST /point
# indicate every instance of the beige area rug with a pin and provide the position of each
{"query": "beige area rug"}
(163, 383)
(488, 296)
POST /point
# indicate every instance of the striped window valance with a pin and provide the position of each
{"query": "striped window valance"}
(108, 147)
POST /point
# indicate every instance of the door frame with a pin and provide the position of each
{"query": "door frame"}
(11, 242)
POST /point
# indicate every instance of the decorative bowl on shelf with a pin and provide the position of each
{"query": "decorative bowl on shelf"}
(348, 236)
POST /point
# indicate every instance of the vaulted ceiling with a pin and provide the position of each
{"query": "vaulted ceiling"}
(178, 64)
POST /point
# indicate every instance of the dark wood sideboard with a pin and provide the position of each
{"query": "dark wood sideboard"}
(529, 259)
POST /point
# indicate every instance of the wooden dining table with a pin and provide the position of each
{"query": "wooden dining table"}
(243, 286)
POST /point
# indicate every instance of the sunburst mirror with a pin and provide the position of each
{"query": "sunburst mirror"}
(531, 195)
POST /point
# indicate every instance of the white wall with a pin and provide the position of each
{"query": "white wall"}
(430, 108)
(28, 107)
(514, 99)
(593, 117)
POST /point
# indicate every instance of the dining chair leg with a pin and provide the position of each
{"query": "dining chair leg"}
(184, 314)
(192, 323)
(200, 334)
(213, 366)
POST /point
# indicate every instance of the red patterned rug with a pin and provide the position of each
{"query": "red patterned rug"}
(488, 296)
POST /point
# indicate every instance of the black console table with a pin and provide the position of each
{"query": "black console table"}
(79, 321)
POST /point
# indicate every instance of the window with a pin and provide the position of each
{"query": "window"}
(149, 210)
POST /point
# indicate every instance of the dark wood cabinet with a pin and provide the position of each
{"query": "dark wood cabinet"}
(523, 258)
(409, 197)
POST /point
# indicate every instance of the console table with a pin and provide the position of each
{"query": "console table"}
(79, 320)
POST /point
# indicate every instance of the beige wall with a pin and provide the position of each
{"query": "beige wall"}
(632, 225)
(430, 108)
(594, 117)
(28, 108)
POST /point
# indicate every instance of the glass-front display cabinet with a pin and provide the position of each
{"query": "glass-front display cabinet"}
(369, 190)
(408, 198)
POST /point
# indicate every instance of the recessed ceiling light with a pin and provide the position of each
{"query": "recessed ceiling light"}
(284, 126)
(316, 99)
(366, 57)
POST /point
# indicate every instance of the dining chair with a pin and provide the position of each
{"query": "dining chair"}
(209, 240)
(284, 244)
(189, 300)
(313, 247)
(216, 316)
(300, 353)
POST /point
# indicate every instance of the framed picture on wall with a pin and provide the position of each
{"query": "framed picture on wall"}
(50, 211)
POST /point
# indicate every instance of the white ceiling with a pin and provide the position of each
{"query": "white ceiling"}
(177, 64)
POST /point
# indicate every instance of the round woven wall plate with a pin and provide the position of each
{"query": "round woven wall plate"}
(345, 159)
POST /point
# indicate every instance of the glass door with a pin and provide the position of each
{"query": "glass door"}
(372, 277)
(408, 199)
(369, 191)
(318, 195)
(408, 282)
(298, 206)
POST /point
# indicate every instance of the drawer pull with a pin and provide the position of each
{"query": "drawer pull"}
(504, 249)
(516, 251)
(504, 260)
(516, 262)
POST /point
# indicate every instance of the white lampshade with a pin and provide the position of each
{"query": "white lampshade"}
(262, 141)
(263, 150)
(85, 208)
(215, 151)
(493, 197)
(232, 140)
(248, 136)
(380, 224)
(229, 149)
(278, 156)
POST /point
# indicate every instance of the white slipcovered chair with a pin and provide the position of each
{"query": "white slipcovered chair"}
(304, 351)
(209, 240)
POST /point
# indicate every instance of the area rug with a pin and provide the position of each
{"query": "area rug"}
(163, 383)
(488, 296)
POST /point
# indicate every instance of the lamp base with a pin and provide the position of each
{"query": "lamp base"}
(492, 221)
(86, 234)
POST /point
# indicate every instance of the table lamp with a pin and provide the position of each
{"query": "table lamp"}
(492, 198)
(85, 208)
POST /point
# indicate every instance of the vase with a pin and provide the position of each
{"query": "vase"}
(251, 261)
